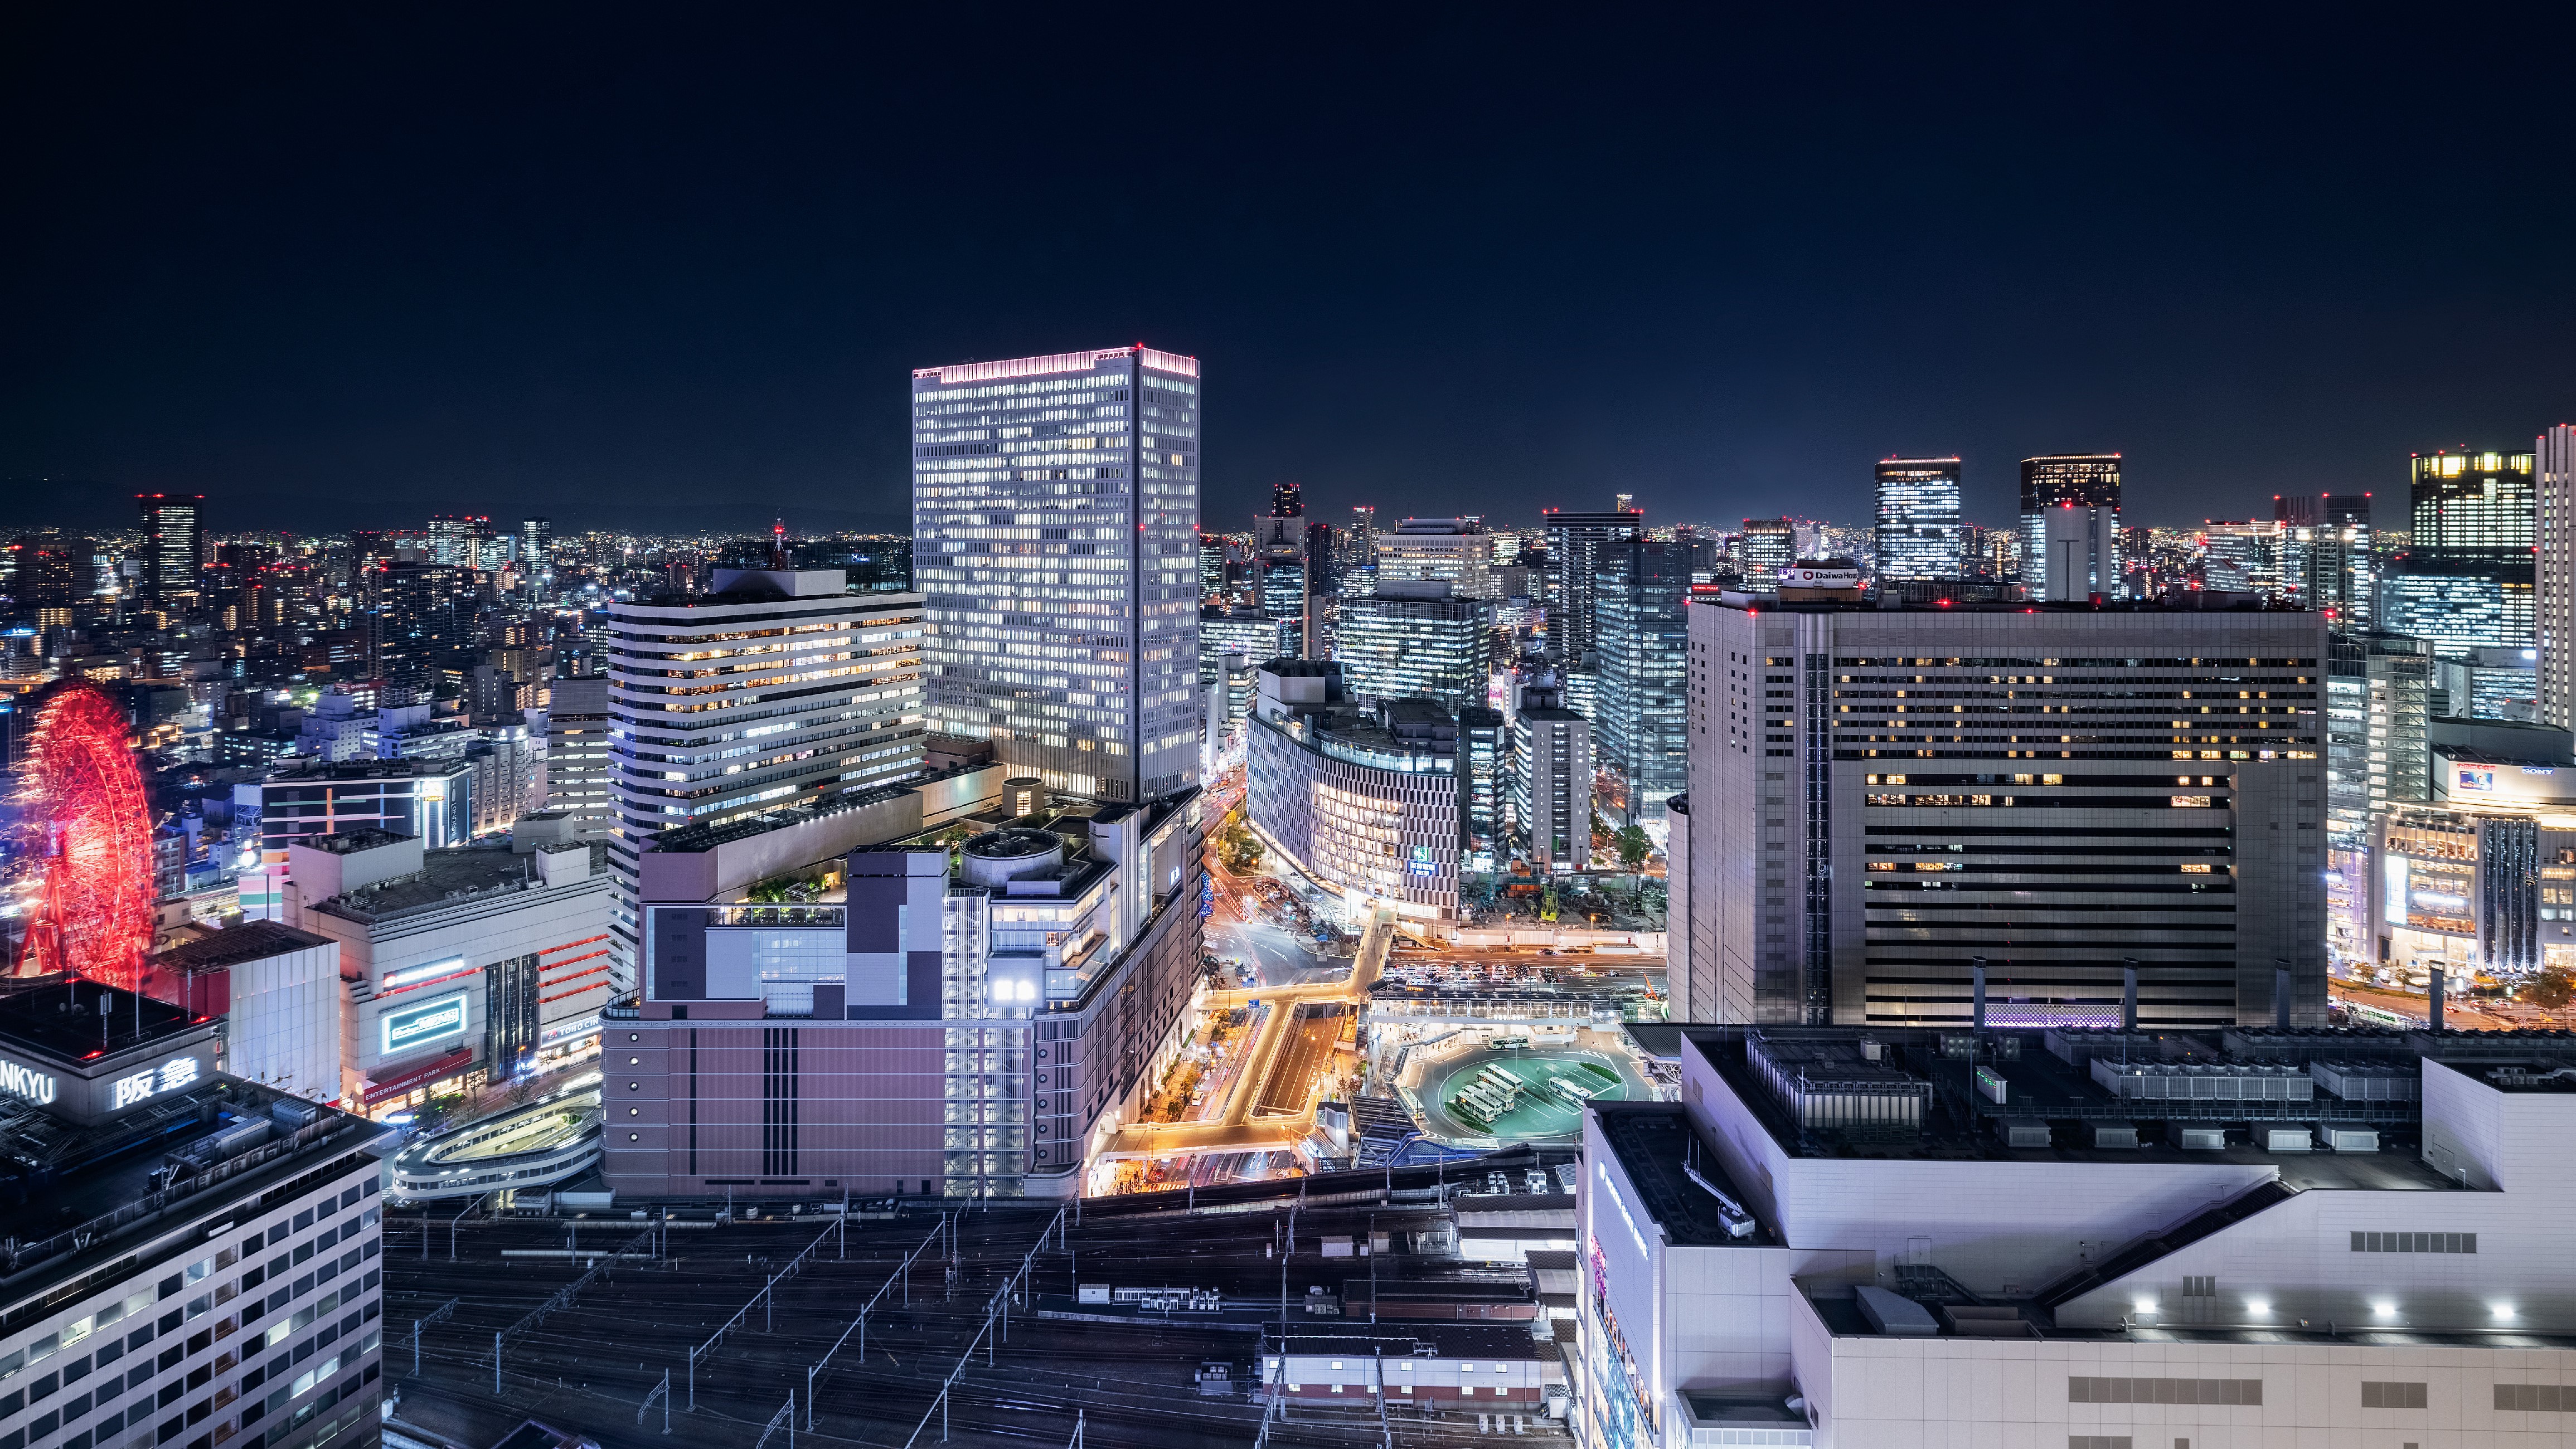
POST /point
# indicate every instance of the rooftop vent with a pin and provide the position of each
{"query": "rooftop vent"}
(997, 857)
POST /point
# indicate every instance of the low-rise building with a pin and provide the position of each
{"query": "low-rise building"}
(460, 966)
(964, 1012)
(2255, 1237)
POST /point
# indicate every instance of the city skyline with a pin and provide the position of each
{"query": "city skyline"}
(615, 337)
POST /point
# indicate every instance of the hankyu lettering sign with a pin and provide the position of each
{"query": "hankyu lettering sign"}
(418, 1026)
(151, 1082)
(27, 1084)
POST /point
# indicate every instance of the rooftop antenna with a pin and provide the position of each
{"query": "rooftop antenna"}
(778, 543)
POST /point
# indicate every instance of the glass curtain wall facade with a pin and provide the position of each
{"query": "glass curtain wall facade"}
(174, 548)
(1768, 545)
(2466, 579)
(1575, 540)
(2087, 480)
(1055, 535)
(2241, 557)
(2484, 502)
(1255, 636)
(1641, 593)
(1398, 648)
(1918, 518)
(2459, 606)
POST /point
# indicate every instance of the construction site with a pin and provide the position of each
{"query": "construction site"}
(1387, 1307)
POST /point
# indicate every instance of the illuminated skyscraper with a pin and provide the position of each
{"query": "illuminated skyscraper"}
(1055, 532)
(1287, 500)
(174, 548)
(2086, 480)
(1918, 518)
(2465, 579)
(1575, 540)
(1767, 546)
(536, 543)
(453, 539)
(2555, 480)
(2472, 502)
(1455, 551)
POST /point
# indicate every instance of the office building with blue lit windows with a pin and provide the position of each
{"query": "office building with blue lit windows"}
(1055, 535)
(1918, 518)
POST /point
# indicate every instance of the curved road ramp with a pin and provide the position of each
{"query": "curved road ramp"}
(533, 1146)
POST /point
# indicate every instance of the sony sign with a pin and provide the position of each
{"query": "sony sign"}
(27, 1084)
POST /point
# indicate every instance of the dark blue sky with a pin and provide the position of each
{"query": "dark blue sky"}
(351, 267)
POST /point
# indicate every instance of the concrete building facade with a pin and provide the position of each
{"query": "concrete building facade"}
(898, 1020)
(1881, 799)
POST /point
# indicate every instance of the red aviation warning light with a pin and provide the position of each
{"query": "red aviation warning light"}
(95, 918)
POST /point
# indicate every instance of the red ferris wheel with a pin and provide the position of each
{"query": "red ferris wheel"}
(82, 785)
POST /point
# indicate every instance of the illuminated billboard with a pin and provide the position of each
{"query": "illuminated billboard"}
(415, 1027)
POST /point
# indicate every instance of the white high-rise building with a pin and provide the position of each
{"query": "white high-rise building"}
(1055, 538)
(2556, 582)
(576, 759)
(1455, 551)
(778, 689)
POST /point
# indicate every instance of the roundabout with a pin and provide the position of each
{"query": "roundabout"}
(544, 1142)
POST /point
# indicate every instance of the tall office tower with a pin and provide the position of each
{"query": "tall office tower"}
(2477, 502)
(1211, 565)
(2378, 708)
(777, 689)
(1768, 545)
(2079, 551)
(1483, 760)
(1281, 580)
(174, 549)
(2086, 480)
(1549, 784)
(2555, 584)
(454, 539)
(1055, 505)
(48, 571)
(1416, 639)
(421, 621)
(2242, 557)
(1287, 500)
(1323, 567)
(1881, 798)
(1918, 518)
(2325, 545)
(1248, 632)
(1574, 543)
(536, 544)
(1364, 532)
(1456, 551)
(1639, 595)
(2465, 579)
(577, 765)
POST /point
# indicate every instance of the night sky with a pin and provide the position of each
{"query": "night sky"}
(346, 268)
